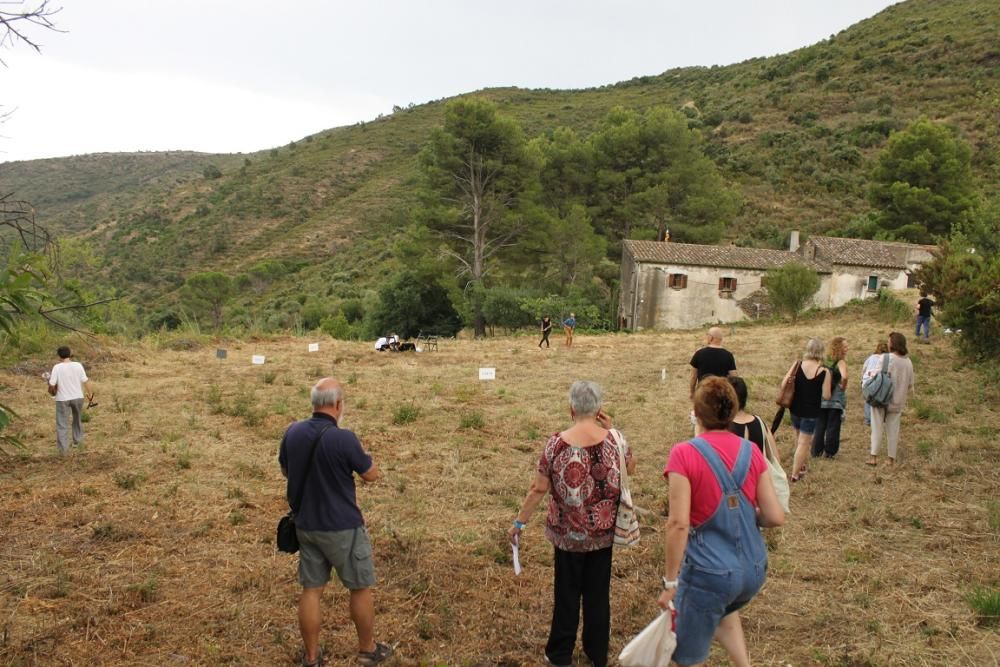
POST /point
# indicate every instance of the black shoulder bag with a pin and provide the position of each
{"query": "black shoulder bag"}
(287, 540)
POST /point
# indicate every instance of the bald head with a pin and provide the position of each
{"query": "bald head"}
(715, 335)
(327, 396)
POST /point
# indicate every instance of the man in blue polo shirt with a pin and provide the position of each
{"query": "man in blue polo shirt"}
(329, 524)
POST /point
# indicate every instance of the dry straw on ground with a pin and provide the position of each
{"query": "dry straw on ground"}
(153, 545)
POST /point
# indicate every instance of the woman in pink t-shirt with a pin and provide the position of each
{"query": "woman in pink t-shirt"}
(720, 492)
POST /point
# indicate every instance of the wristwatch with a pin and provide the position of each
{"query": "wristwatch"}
(668, 584)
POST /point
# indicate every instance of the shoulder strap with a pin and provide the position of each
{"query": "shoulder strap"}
(617, 438)
(730, 482)
(309, 468)
(886, 359)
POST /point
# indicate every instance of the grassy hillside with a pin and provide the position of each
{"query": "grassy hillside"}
(795, 133)
(154, 543)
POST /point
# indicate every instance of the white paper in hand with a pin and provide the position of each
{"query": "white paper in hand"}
(516, 559)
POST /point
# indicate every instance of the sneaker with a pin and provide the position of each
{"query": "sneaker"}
(553, 664)
(381, 653)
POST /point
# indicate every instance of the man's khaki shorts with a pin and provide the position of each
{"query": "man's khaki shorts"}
(349, 552)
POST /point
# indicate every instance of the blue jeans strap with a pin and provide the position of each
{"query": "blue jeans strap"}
(726, 482)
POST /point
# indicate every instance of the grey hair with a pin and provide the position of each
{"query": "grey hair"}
(323, 397)
(814, 349)
(585, 398)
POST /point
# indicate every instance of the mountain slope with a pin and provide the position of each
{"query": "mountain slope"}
(795, 133)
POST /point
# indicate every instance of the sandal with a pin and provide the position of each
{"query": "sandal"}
(380, 654)
(320, 660)
(871, 462)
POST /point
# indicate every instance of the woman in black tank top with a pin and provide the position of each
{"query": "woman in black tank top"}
(812, 386)
(744, 424)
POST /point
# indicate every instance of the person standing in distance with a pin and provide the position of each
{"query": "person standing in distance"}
(546, 330)
(569, 327)
(924, 306)
(329, 524)
(66, 383)
(713, 359)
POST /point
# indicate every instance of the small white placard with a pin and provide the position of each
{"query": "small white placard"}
(487, 374)
(516, 558)
(257, 360)
(314, 347)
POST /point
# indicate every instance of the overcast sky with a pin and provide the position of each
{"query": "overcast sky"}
(244, 75)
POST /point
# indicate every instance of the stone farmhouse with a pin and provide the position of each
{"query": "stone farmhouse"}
(683, 285)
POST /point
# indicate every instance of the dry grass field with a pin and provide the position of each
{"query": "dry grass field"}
(153, 544)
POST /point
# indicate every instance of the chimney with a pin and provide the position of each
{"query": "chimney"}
(793, 241)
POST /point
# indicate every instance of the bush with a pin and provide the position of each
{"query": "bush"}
(791, 287)
(405, 414)
(211, 172)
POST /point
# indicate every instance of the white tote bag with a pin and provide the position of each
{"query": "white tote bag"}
(778, 476)
(654, 646)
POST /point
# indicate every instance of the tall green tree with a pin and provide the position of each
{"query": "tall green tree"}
(791, 287)
(922, 182)
(480, 174)
(651, 175)
(963, 280)
(206, 295)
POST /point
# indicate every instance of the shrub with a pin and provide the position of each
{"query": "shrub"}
(472, 420)
(405, 414)
(985, 601)
(791, 287)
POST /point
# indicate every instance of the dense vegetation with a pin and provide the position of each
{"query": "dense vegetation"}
(313, 232)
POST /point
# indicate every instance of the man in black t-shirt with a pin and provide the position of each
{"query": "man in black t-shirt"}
(924, 315)
(713, 359)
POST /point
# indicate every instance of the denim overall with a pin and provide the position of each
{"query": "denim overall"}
(725, 562)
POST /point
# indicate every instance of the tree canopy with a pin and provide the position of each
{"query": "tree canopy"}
(791, 287)
(922, 183)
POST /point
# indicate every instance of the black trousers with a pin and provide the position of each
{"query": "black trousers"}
(585, 575)
(826, 440)
(545, 338)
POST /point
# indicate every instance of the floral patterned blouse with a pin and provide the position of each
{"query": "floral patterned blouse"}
(584, 486)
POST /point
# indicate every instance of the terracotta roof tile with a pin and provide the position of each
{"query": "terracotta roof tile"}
(863, 252)
(731, 257)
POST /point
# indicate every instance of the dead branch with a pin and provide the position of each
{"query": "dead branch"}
(14, 25)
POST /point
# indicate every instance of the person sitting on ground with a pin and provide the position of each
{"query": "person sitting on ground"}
(382, 344)
(320, 459)
(581, 467)
(720, 492)
(745, 424)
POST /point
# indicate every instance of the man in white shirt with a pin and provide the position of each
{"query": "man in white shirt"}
(66, 384)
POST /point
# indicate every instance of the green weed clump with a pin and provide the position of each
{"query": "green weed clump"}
(985, 601)
(126, 480)
(472, 420)
(405, 414)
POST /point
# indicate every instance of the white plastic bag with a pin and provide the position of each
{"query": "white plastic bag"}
(653, 646)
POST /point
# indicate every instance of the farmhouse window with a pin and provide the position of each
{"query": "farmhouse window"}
(677, 280)
(872, 283)
(727, 284)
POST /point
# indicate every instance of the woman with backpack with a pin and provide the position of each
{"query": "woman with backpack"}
(826, 441)
(868, 371)
(886, 419)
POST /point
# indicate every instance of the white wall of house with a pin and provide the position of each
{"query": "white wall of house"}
(649, 302)
(854, 282)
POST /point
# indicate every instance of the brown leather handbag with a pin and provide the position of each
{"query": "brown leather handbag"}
(787, 392)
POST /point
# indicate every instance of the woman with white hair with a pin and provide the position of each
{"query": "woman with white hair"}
(812, 387)
(581, 467)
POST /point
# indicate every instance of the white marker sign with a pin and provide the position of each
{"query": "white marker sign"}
(487, 374)
(314, 347)
(257, 360)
